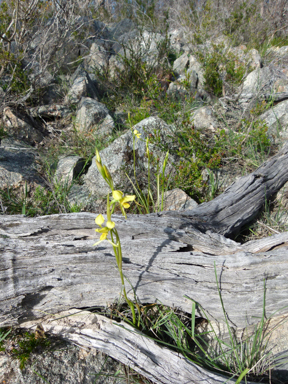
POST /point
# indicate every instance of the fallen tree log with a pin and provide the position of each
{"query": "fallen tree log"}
(49, 264)
(241, 202)
(125, 344)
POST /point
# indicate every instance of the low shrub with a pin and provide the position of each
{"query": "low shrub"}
(221, 68)
(204, 151)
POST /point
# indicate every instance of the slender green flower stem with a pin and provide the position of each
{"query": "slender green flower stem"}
(118, 255)
(134, 165)
(158, 192)
(149, 174)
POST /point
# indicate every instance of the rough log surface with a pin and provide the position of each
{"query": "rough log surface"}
(125, 344)
(241, 202)
(49, 264)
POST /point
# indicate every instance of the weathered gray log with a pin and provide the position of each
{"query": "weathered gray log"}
(241, 202)
(125, 344)
(49, 264)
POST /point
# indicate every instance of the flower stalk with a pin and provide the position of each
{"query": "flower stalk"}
(109, 230)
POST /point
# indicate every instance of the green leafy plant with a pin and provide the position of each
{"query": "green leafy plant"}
(12, 202)
(27, 344)
(43, 201)
(221, 67)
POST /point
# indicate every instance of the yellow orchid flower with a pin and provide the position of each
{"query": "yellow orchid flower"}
(104, 230)
(118, 197)
(137, 133)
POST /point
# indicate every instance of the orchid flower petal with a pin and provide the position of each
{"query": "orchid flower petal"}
(99, 220)
(110, 224)
(117, 195)
(128, 198)
(103, 236)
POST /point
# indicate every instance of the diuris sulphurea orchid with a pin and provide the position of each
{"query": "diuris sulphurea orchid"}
(110, 230)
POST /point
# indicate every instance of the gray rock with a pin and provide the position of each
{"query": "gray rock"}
(277, 55)
(144, 45)
(72, 50)
(203, 118)
(257, 81)
(106, 128)
(89, 114)
(125, 40)
(82, 86)
(181, 64)
(52, 94)
(115, 65)
(282, 51)
(277, 120)
(101, 33)
(261, 81)
(63, 363)
(192, 79)
(177, 39)
(17, 165)
(250, 59)
(98, 58)
(187, 67)
(150, 43)
(118, 158)
(281, 85)
(194, 65)
(20, 127)
(239, 52)
(68, 169)
(79, 195)
(177, 89)
(77, 91)
(178, 200)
